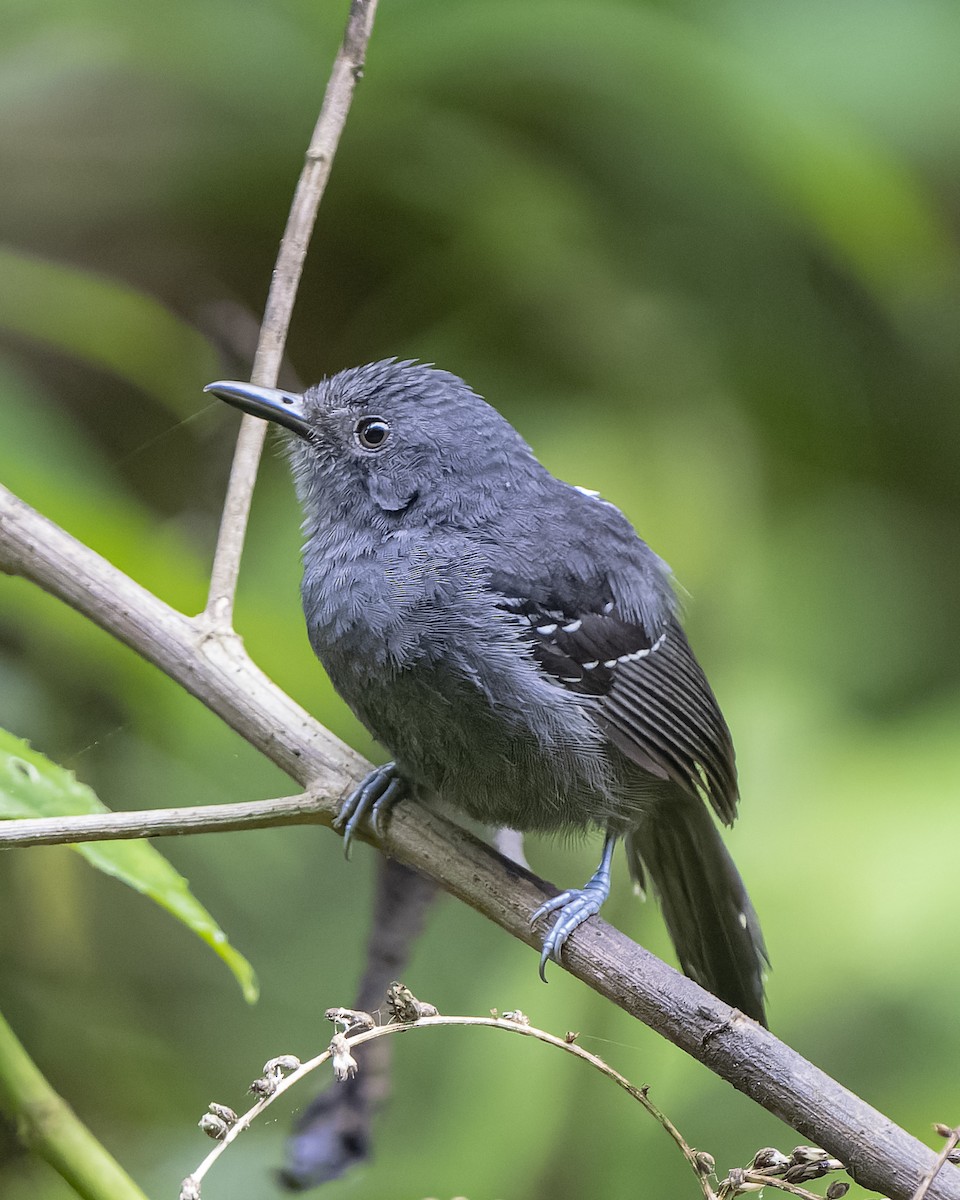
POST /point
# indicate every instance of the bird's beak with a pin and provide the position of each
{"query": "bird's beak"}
(284, 408)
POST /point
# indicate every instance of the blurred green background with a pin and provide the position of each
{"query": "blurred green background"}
(704, 254)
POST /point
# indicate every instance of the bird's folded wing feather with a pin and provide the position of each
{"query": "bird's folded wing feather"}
(654, 702)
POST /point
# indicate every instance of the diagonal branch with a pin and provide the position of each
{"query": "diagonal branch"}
(214, 667)
(347, 69)
(210, 664)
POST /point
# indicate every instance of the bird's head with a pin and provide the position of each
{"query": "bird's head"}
(394, 441)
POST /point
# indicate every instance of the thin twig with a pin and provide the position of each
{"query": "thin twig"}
(953, 1137)
(502, 1023)
(347, 69)
(304, 809)
(765, 1181)
(217, 670)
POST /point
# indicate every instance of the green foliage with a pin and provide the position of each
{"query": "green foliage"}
(33, 786)
(704, 254)
(105, 324)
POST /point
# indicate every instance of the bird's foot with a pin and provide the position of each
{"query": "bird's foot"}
(381, 789)
(573, 907)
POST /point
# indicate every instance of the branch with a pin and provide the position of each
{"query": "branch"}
(277, 1082)
(332, 1132)
(759, 1182)
(49, 1126)
(210, 664)
(953, 1137)
(347, 69)
(305, 809)
(214, 667)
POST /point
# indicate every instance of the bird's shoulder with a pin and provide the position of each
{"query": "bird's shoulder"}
(567, 553)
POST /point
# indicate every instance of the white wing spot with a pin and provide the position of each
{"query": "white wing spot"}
(546, 630)
(608, 608)
(743, 920)
(638, 654)
(592, 494)
(610, 662)
(572, 627)
(591, 666)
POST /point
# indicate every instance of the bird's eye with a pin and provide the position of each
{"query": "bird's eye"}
(372, 432)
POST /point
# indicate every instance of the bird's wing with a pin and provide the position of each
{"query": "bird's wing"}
(654, 701)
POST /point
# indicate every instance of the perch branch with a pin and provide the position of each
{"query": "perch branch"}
(214, 667)
(304, 809)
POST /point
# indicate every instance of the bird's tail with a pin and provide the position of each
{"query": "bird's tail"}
(705, 905)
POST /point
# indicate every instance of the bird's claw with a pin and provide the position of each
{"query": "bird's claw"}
(574, 906)
(373, 797)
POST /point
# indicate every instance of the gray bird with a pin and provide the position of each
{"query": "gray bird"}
(515, 646)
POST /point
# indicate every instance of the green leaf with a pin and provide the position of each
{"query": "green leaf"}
(32, 786)
(109, 324)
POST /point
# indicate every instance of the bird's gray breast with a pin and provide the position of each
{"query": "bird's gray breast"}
(419, 647)
(373, 601)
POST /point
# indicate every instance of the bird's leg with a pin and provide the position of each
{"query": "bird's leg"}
(374, 796)
(574, 907)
